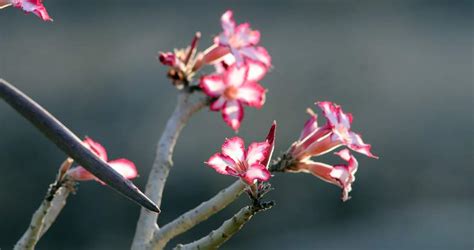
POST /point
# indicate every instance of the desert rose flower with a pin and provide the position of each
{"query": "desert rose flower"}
(336, 132)
(341, 175)
(29, 6)
(122, 166)
(241, 41)
(250, 165)
(233, 88)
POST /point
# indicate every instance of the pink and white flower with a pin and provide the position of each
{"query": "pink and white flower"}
(122, 166)
(342, 175)
(234, 87)
(241, 41)
(249, 165)
(34, 6)
(337, 132)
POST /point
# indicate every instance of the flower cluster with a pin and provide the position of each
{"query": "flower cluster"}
(250, 165)
(315, 141)
(28, 6)
(122, 166)
(239, 65)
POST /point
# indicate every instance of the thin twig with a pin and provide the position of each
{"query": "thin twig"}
(230, 227)
(197, 215)
(67, 141)
(146, 225)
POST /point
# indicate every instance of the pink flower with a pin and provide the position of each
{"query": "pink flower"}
(241, 41)
(341, 175)
(337, 132)
(122, 166)
(250, 165)
(34, 6)
(234, 87)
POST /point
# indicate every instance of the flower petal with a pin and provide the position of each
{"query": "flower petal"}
(80, 174)
(233, 113)
(251, 94)
(218, 104)
(34, 6)
(246, 36)
(221, 163)
(257, 152)
(330, 111)
(235, 75)
(359, 146)
(124, 167)
(271, 140)
(257, 71)
(259, 54)
(228, 22)
(95, 147)
(234, 148)
(212, 85)
(256, 172)
(310, 125)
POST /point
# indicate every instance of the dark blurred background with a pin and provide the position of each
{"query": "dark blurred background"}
(403, 68)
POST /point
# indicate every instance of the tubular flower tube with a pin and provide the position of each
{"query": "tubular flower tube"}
(122, 166)
(29, 6)
(233, 88)
(315, 141)
(241, 41)
(250, 165)
(341, 175)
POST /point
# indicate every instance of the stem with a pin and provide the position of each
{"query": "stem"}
(162, 164)
(49, 209)
(68, 142)
(197, 215)
(230, 227)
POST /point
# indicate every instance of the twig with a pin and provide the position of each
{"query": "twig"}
(231, 226)
(197, 215)
(71, 144)
(49, 209)
(146, 225)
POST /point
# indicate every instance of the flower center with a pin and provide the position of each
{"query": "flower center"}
(230, 93)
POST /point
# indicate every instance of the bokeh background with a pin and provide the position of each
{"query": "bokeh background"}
(403, 68)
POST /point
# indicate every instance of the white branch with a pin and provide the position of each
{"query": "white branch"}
(219, 236)
(147, 223)
(197, 215)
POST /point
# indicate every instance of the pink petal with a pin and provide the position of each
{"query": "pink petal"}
(330, 111)
(252, 94)
(218, 104)
(34, 6)
(246, 36)
(310, 125)
(168, 58)
(222, 163)
(80, 174)
(257, 71)
(259, 54)
(233, 113)
(256, 172)
(235, 75)
(258, 152)
(212, 85)
(95, 147)
(124, 167)
(359, 146)
(234, 148)
(271, 140)
(227, 22)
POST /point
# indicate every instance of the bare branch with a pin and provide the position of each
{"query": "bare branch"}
(230, 227)
(197, 215)
(162, 164)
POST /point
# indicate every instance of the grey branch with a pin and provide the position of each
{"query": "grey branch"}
(147, 223)
(197, 215)
(60, 135)
(230, 227)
